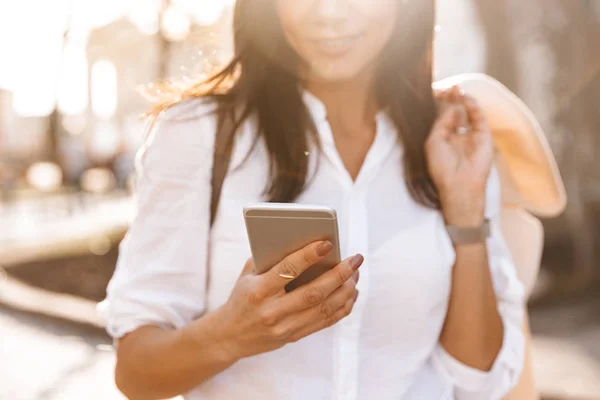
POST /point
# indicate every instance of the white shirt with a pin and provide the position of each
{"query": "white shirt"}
(387, 348)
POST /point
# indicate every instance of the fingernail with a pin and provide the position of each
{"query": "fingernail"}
(356, 295)
(356, 261)
(324, 248)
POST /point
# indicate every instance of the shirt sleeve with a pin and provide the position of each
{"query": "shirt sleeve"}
(470, 383)
(160, 278)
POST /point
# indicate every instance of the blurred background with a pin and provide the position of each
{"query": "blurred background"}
(75, 77)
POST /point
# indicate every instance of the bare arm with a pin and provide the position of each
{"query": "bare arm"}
(153, 363)
(473, 331)
(481, 344)
(460, 166)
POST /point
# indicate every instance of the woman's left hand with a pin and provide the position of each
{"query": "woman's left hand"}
(459, 154)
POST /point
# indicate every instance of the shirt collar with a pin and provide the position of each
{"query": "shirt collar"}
(386, 139)
(318, 112)
(315, 106)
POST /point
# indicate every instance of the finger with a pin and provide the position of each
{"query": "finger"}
(317, 291)
(442, 94)
(443, 100)
(319, 325)
(462, 122)
(323, 311)
(457, 94)
(457, 97)
(295, 264)
(476, 116)
(446, 123)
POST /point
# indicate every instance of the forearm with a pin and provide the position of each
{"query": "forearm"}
(473, 330)
(153, 363)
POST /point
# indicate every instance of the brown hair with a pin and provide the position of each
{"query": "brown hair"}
(261, 80)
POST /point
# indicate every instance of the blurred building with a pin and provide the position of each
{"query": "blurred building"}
(92, 117)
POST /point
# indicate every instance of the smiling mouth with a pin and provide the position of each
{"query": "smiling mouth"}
(336, 46)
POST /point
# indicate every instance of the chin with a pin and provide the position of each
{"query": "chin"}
(334, 73)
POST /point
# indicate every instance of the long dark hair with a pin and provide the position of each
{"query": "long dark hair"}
(261, 80)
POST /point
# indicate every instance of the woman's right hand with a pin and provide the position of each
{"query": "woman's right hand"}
(260, 316)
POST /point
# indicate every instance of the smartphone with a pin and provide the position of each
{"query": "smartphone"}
(275, 230)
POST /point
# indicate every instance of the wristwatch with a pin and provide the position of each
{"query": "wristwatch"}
(463, 235)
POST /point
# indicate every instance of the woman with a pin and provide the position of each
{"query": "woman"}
(333, 104)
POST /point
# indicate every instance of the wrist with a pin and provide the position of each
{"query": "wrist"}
(209, 332)
(463, 210)
(464, 218)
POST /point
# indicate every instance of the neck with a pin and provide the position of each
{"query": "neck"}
(351, 105)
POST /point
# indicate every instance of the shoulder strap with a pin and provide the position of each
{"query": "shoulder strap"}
(224, 140)
(224, 137)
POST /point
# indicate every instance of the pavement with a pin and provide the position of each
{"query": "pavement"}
(44, 358)
(53, 346)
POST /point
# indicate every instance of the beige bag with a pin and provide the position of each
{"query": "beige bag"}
(531, 186)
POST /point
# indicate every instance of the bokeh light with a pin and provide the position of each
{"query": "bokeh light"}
(44, 176)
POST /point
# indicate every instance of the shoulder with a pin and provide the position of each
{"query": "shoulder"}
(191, 121)
(180, 139)
(189, 124)
(189, 110)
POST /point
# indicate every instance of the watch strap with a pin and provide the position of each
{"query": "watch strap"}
(470, 235)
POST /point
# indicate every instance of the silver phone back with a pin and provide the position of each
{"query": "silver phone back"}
(276, 230)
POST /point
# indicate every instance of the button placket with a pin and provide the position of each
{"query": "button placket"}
(348, 332)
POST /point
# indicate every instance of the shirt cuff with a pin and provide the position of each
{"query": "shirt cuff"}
(493, 384)
(130, 317)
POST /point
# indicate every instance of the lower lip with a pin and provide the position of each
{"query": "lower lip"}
(336, 47)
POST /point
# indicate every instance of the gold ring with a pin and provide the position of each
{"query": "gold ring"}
(290, 277)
